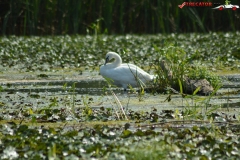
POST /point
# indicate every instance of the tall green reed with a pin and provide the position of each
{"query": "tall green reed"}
(45, 17)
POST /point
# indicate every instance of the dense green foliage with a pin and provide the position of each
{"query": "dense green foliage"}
(48, 53)
(131, 141)
(54, 17)
(67, 125)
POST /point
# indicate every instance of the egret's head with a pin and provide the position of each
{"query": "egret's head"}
(109, 56)
(106, 60)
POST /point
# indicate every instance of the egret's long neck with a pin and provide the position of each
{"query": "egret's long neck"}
(118, 60)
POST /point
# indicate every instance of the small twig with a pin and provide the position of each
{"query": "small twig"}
(118, 102)
(114, 107)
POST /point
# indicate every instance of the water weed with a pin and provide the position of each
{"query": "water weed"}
(173, 66)
(27, 54)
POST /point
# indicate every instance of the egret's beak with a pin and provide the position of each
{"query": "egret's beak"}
(106, 61)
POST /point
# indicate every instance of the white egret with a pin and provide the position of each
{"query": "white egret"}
(124, 74)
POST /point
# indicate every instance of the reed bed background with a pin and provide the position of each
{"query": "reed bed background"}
(55, 17)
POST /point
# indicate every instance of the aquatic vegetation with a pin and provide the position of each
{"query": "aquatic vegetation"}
(40, 125)
(168, 141)
(45, 124)
(198, 71)
(26, 54)
(175, 68)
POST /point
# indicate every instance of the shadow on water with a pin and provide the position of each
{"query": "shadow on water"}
(83, 87)
(181, 124)
(232, 104)
(97, 87)
(91, 87)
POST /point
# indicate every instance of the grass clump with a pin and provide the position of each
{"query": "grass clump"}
(174, 66)
(198, 71)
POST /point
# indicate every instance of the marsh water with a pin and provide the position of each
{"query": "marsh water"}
(39, 87)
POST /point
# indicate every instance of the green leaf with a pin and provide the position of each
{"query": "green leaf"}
(180, 86)
(196, 90)
(126, 133)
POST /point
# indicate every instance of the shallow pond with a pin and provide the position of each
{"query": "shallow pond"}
(39, 90)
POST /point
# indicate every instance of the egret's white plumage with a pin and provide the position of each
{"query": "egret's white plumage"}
(123, 74)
